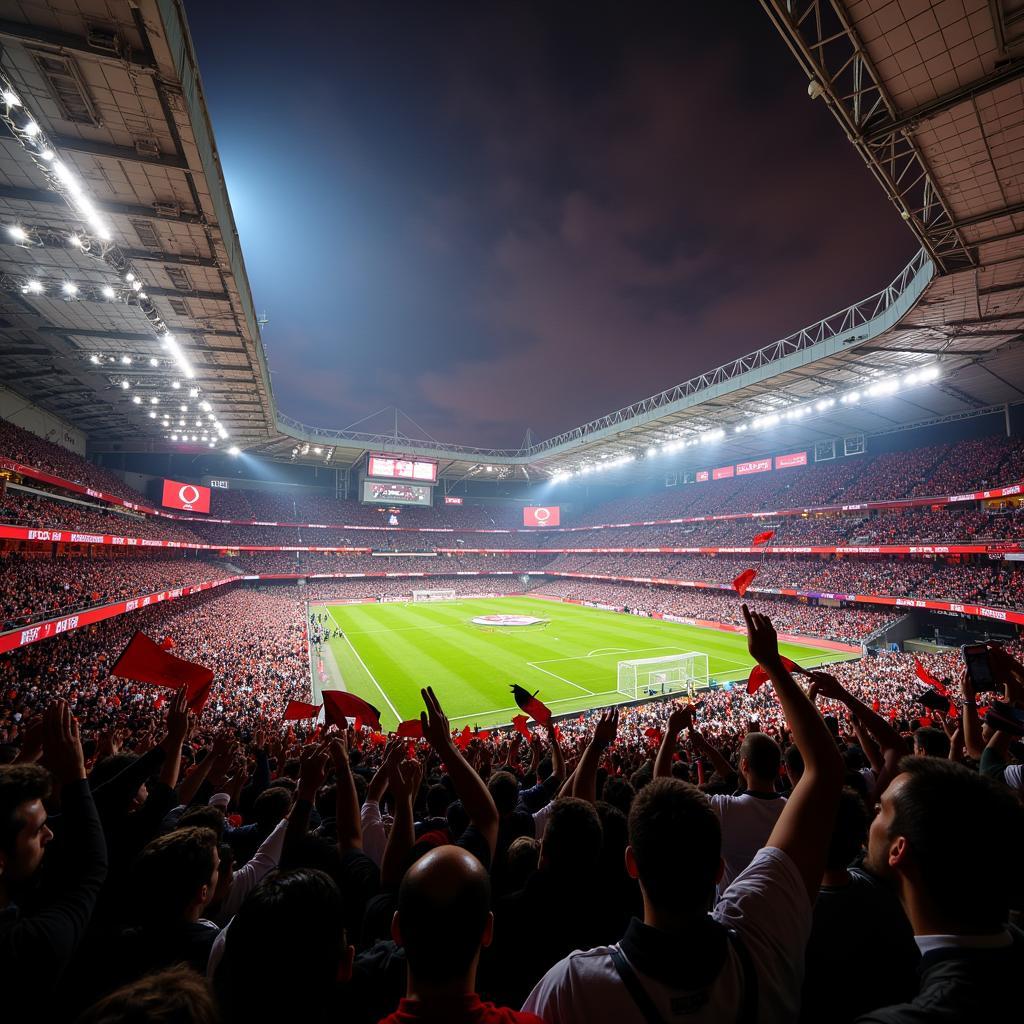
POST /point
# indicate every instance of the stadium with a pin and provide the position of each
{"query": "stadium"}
(245, 610)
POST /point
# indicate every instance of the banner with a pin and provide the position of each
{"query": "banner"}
(757, 466)
(449, 500)
(723, 472)
(541, 515)
(702, 476)
(187, 497)
(793, 459)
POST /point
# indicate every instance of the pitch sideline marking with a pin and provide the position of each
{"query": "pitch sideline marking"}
(555, 675)
(373, 678)
(561, 700)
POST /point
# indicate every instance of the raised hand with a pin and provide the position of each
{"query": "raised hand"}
(404, 779)
(825, 685)
(178, 723)
(436, 730)
(312, 770)
(62, 745)
(607, 727)
(680, 719)
(762, 641)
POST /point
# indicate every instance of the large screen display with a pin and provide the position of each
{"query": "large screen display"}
(394, 467)
(378, 493)
(187, 497)
(541, 515)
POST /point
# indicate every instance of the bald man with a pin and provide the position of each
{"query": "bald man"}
(443, 920)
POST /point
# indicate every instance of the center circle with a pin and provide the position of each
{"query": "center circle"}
(507, 620)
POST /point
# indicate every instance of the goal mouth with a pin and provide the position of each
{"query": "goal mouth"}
(509, 621)
(675, 674)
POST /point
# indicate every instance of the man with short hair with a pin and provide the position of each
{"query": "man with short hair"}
(743, 961)
(443, 921)
(36, 947)
(952, 842)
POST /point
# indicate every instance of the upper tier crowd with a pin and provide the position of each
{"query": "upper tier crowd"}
(828, 849)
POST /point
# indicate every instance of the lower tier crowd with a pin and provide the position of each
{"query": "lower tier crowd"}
(824, 848)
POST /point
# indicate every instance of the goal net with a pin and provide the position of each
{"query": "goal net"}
(419, 596)
(659, 677)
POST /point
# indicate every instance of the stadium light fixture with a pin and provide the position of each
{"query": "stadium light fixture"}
(69, 288)
(11, 98)
(651, 452)
(154, 362)
(152, 416)
(19, 234)
(31, 129)
(154, 400)
(35, 287)
(94, 358)
(174, 437)
(136, 400)
(125, 384)
(234, 450)
(108, 292)
(193, 392)
(127, 360)
(176, 384)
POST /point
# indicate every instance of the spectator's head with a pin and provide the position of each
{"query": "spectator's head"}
(504, 791)
(521, 861)
(270, 807)
(759, 760)
(794, 762)
(849, 833)
(675, 850)
(929, 742)
(571, 844)
(113, 765)
(942, 832)
(175, 996)
(203, 816)
(176, 875)
(326, 801)
(23, 829)
(443, 919)
(260, 976)
(438, 799)
(619, 793)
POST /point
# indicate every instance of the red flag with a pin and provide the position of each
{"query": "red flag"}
(340, 704)
(743, 581)
(653, 734)
(519, 724)
(875, 705)
(528, 702)
(762, 538)
(412, 729)
(758, 676)
(299, 710)
(558, 734)
(463, 739)
(483, 734)
(144, 661)
(167, 644)
(358, 724)
(926, 677)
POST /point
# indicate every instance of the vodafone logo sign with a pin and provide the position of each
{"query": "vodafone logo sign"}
(187, 497)
(541, 515)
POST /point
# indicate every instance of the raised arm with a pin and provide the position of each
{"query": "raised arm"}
(557, 760)
(179, 721)
(469, 787)
(971, 722)
(804, 828)
(349, 826)
(718, 760)
(404, 783)
(680, 718)
(585, 784)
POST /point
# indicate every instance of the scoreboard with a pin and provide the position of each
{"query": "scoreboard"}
(396, 467)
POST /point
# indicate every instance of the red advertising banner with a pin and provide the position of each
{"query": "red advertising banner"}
(449, 500)
(541, 515)
(702, 476)
(187, 497)
(756, 466)
(723, 472)
(793, 459)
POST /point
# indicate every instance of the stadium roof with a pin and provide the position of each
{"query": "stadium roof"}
(109, 134)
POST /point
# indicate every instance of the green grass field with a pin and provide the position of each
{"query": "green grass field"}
(390, 651)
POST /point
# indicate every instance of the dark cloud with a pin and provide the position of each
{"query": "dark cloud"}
(498, 218)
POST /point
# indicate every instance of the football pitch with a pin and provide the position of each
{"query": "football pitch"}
(390, 651)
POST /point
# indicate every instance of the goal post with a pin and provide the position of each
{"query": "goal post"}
(422, 596)
(661, 677)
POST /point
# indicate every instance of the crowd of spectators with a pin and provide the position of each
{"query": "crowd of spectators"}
(737, 858)
(36, 587)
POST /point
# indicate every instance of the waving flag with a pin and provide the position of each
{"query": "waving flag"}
(298, 710)
(146, 662)
(519, 724)
(340, 705)
(926, 677)
(762, 538)
(743, 581)
(411, 729)
(758, 676)
(528, 703)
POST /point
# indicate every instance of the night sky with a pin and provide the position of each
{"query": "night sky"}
(507, 215)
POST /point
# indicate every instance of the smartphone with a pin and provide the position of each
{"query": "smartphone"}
(979, 667)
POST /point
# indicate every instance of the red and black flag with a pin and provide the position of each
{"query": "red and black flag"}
(340, 705)
(529, 704)
(926, 677)
(519, 724)
(146, 662)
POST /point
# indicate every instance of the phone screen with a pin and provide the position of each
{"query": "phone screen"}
(979, 667)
